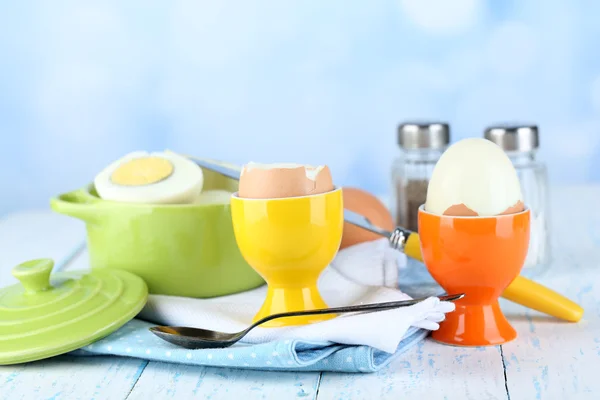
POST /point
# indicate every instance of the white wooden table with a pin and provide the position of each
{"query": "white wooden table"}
(549, 360)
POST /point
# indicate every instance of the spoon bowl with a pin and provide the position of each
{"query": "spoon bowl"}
(198, 338)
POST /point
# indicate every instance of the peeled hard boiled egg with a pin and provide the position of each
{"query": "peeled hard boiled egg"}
(474, 177)
(151, 178)
(269, 181)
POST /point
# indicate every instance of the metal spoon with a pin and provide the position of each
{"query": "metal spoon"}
(197, 338)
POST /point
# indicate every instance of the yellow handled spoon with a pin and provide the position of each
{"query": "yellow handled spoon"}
(522, 291)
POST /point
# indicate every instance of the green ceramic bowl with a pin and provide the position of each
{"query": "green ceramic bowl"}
(179, 250)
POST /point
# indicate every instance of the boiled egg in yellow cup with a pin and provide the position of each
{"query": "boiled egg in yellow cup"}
(151, 178)
(264, 181)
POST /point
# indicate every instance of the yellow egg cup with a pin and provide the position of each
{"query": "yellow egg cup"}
(289, 242)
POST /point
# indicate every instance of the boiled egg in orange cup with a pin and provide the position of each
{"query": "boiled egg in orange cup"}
(474, 177)
(474, 231)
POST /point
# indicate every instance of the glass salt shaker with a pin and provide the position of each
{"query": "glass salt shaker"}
(521, 144)
(421, 145)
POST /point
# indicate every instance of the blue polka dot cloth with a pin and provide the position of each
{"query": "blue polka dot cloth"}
(135, 340)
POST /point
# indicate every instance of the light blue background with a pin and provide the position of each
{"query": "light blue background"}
(313, 81)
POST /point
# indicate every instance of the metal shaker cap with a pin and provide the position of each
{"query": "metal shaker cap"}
(514, 137)
(423, 135)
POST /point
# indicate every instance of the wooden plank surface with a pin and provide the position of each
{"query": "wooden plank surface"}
(67, 377)
(557, 360)
(429, 371)
(163, 380)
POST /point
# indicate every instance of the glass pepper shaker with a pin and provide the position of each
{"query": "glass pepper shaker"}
(521, 144)
(421, 145)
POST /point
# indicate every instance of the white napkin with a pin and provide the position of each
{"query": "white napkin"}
(382, 330)
(373, 263)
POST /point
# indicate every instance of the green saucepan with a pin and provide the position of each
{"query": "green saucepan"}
(179, 250)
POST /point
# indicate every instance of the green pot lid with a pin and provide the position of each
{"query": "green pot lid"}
(45, 315)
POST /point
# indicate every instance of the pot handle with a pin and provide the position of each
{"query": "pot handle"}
(78, 204)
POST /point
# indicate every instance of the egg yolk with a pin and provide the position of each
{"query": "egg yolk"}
(142, 171)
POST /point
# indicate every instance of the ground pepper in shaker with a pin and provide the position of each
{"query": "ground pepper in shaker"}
(421, 145)
(521, 144)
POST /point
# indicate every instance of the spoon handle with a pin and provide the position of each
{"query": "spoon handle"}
(348, 309)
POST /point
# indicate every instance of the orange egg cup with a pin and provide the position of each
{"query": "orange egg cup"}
(478, 256)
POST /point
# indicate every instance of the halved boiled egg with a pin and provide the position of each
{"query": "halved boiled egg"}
(151, 178)
(474, 177)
